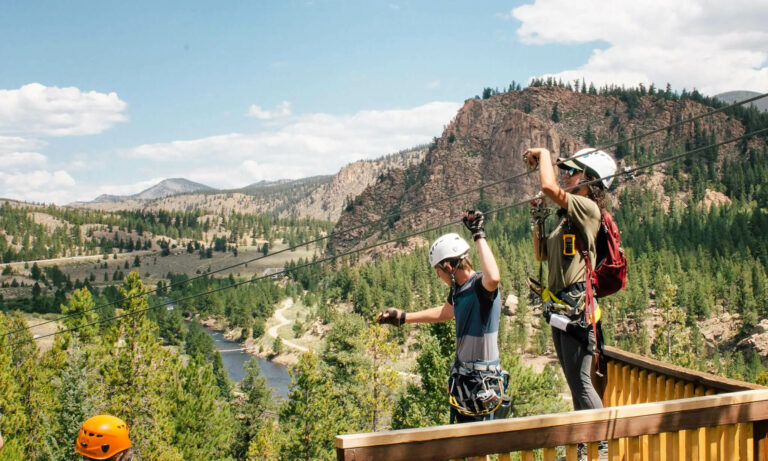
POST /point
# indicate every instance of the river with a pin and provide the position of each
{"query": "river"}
(276, 375)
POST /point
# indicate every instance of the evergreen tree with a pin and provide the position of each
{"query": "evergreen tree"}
(555, 113)
(376, 381)
(673, 343)
(426, 404)
(309, 418)
(80, 302)
(138, 374)
(203, 423)
(252, 411)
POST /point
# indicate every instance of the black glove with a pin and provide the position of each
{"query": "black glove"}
(474, 221)
(546, 310)
(392, 316)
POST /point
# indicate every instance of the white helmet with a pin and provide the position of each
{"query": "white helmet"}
(596, 163)
(448, 246)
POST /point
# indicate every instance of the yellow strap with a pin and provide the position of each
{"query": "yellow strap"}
(547, 295)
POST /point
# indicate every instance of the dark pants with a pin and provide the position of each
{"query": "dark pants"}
(576, 360)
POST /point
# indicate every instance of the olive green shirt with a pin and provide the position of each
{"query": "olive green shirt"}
(584, 217)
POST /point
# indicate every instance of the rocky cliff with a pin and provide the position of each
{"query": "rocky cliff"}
(485, 141)
(329, 200)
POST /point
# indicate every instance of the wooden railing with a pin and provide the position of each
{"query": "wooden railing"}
(728, 427)
(654, 411)
(632, 378)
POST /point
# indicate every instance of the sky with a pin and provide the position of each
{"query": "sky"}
(114, 96)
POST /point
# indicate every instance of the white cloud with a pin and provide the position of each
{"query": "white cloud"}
(39, 111)
(37, 185)
(433, 84)
(705, 44)
(308, 145)
(14, 161)
(16, 144)
(282, 110)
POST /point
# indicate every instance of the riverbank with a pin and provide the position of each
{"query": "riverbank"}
(235, 360)
(262, 347)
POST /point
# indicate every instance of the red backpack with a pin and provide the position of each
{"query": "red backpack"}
(610, 273)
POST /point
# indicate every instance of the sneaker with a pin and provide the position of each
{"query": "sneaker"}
(602, 449)
(582, 452)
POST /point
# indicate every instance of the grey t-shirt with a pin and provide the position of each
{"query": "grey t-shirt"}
(584, 217)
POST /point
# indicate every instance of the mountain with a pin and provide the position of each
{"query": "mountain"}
(731, 97)
(170, 187)
(319, 197)
(164, 188)
(485, 140)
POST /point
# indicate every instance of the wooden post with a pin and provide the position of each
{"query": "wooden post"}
(571, 453)
(610, 388)
(633, 386)
(548, 454)
(624, 399)
(760, 440)
(746, 442)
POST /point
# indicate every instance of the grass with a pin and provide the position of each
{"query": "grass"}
(33, 319)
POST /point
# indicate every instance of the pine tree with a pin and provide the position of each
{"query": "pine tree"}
(265, 446)
(555, 113)
(137, 374)
(425, 405)
(309, 418)
(203, 422)
(14, 424)
(377, 381)
(80, 302)
(253, 410)
(673, 343)
(222, 378)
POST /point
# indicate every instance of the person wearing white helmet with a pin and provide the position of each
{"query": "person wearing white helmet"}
(474, 301)
(587, 174)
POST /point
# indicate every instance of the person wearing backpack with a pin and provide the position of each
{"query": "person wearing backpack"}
(570, 251)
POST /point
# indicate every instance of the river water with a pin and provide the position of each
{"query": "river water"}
(276, 375)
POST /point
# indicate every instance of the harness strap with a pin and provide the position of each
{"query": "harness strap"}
(590, 306)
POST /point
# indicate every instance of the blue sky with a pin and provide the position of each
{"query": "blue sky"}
(110, 97)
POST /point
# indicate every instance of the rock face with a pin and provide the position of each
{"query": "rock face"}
(485, 141)
(329, 200)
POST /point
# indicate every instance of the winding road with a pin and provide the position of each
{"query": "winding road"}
(286, 304)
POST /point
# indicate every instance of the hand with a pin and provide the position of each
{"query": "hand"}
(392, 316)
(532, 156)
(474, 221)
(538, 202)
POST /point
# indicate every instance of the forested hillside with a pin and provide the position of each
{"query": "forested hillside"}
(35, 232)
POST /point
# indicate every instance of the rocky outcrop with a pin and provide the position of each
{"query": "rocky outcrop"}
(329, 200)
(484, 143)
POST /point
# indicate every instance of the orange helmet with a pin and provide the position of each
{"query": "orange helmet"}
(102, 436)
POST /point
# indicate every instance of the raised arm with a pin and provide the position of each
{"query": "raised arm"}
(539, 156)
(474, 221)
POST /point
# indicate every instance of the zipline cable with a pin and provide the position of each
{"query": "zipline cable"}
(628, 171)
(391, 215)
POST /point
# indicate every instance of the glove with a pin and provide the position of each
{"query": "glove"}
(392, 316)
(474, 221)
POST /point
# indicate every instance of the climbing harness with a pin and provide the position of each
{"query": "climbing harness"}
(478, 389)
